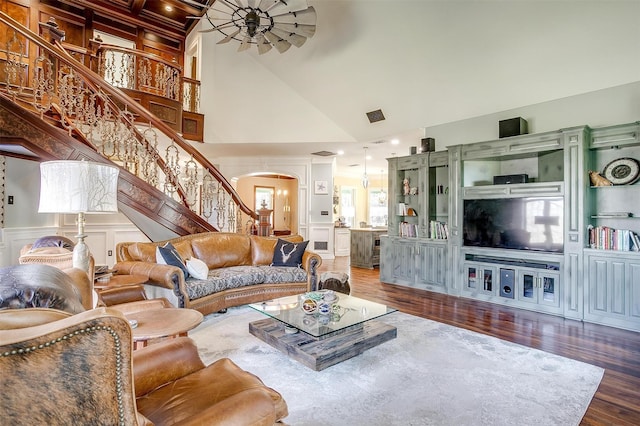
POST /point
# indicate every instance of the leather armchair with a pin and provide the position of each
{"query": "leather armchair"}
(57, 251)
(61, 258)
(81, 369)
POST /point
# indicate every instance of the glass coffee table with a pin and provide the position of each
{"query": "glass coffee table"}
(326, 335)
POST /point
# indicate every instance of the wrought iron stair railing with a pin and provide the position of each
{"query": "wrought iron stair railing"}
(62, 90)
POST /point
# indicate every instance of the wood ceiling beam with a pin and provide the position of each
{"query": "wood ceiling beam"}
(137, 6)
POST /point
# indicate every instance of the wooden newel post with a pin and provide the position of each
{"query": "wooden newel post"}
(264, 220)
(50, 31)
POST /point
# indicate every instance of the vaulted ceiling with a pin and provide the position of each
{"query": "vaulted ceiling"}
(423, 62)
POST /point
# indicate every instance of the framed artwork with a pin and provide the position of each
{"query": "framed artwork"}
(320, 187)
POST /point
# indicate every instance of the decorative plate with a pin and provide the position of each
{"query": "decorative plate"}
(622, 171)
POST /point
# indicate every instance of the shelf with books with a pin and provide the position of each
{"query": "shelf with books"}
(613, 172)
(607, 238)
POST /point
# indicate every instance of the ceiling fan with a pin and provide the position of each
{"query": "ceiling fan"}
(264, 23)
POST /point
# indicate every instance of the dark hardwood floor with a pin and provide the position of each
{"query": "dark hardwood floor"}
(617, 401)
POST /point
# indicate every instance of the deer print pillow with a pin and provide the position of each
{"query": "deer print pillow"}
(288, 254)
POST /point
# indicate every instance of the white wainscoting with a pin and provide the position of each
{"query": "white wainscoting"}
(101, 239)
(321, 239)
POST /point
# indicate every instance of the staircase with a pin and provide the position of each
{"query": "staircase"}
(56, 108)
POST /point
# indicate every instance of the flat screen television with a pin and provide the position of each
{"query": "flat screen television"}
(530, 223)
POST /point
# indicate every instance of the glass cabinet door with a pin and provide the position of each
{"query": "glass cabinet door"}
(548, 289)
(472, 273)
(528, 283)
(538, 287)
(479, 278)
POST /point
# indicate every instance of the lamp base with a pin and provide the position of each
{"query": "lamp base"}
(81, 250)
(81, 255)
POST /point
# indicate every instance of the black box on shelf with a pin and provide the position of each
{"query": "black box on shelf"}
(427, 145)
(508, 179)
(513, 127)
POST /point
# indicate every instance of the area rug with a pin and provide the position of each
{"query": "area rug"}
(431, 374)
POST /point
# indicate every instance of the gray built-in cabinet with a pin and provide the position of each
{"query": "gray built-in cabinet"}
(415, 250)
(528, 244)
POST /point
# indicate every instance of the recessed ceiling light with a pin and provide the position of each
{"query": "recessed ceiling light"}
(340, 152)
(168, 8)
(395, 141)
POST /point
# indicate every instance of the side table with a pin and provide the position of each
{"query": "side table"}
(165, 322)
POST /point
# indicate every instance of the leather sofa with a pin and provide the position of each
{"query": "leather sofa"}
(230, 258)
(63, 369)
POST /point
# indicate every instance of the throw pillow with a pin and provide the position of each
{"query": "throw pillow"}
(53, 241)
(286, 253)
(168, 255)
(197, 268)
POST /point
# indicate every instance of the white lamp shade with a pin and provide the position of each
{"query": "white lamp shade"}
(78, 187)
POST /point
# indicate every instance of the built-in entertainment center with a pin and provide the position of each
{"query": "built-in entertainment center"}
(519, 221)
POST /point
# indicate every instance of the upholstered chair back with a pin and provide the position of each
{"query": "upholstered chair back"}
(76, 370)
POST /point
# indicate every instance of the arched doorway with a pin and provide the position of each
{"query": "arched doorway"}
(280, 194)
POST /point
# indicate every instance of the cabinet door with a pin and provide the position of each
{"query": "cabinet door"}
(403, 262)
(432, 264)
(607, 282)
(479, 279)
(539, 287)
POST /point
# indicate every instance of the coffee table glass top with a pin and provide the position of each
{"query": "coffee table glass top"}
(344, 312)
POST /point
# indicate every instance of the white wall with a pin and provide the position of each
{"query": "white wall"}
(23, 224)
(605, 107)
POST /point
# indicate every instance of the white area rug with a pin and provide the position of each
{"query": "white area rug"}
(431, 374)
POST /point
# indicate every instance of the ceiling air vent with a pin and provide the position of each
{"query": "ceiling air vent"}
(374, 116)
(324, 153)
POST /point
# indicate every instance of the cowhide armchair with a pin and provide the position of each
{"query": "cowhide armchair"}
(81, 370)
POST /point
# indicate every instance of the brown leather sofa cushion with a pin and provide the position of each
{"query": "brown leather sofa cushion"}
(146, 252)
(222, 250)
(225, 394)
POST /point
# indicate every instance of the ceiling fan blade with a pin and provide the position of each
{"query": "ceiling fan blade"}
(246, 43)
(303, 30)
(242, 3)
(229, 37)
(265, 5)
(218, 28)
(305, 17)
(288, 6)
(263, 45)
(295, 39)
(253, 3)
(280, 44)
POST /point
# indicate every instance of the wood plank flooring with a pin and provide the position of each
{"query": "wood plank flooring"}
(617, 401)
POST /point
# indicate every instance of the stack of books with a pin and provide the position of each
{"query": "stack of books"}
(438, 230)
(408, 230)
(606, 238)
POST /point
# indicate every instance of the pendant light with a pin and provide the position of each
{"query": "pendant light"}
(365, 178)
(382, 197)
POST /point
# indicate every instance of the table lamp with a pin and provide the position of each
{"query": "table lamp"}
(78, 187)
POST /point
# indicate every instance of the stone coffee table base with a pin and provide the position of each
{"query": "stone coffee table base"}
(320, 353)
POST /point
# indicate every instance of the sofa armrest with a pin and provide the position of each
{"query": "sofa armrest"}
(83, 284)
(159, 275)
(164, 362)
(311, 262)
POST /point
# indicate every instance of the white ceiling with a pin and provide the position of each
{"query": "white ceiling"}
(423, 62)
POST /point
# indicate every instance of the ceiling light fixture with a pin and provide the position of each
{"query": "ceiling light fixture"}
(264, 23)
(382, 196)
(365, 178)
